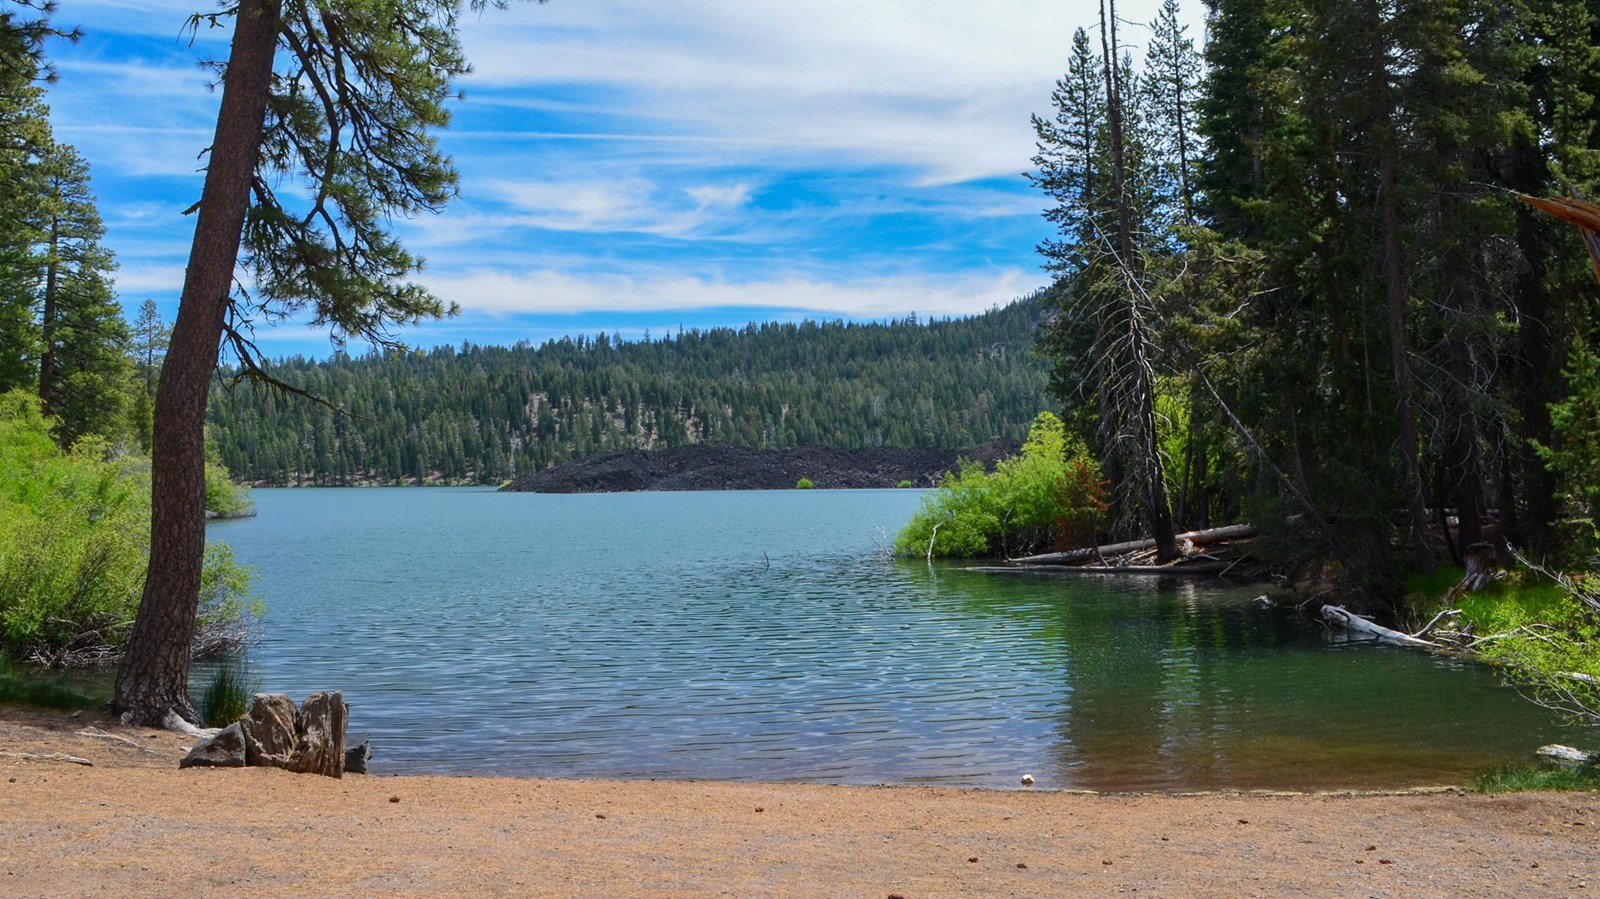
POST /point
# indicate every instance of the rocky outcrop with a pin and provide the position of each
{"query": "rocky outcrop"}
(702, 467)
(273, 734)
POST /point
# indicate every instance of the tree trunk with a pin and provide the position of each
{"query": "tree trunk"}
(1535, 345)
(1394, 288)
(47, 320)
(153, 677)
(1138, 400)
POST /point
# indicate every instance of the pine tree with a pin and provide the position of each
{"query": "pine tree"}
(84, 375)
(350, 111)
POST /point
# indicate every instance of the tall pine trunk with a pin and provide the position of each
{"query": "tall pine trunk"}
(1137, 387)
(1394, 290)
(153, 677)
(47, 320)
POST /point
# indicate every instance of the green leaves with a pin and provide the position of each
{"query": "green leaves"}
(74, 532)
(1051, 491)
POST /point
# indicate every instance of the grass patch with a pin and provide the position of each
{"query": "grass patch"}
(22, 686)
(1502, 605)
(226, 696)
(1530, 780)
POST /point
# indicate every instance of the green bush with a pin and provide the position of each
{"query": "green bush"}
(804, 484)
(903, 485)
(224, 499)
(74, 538)
(1050, 493)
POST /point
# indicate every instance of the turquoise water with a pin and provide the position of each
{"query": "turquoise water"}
(766, 636)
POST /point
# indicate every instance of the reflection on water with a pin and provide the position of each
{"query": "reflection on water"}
(762, 636)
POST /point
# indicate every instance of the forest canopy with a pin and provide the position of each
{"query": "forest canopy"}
(1304, 242)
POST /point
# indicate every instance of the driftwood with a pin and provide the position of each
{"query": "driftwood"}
(1341, 617)
(1211, 535)
(99, 734)
(1188, 568)
(1557, 754)
(52, 757)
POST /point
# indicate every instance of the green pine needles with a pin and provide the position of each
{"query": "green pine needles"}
(1050, 494)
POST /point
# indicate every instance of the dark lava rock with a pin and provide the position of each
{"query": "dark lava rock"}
(703, 467)
(357, 753)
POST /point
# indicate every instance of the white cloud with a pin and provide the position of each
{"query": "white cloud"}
(942, 85)
(509, 292)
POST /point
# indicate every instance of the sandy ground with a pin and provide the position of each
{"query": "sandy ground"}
(133, 824)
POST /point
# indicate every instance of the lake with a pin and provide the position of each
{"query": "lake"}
(767, 636)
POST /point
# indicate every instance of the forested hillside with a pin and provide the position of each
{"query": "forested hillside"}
(483, 414)
(1297, 282)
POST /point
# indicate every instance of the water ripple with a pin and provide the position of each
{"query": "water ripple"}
(759, 636)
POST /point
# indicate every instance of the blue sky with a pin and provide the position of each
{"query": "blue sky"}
(632, 164)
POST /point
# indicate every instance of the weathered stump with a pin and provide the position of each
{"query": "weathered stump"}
(269, 735)
(319, 735)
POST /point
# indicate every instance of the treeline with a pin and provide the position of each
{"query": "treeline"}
(62, 332)
(482, 414)
(1296, 283)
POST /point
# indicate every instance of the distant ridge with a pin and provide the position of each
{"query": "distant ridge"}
(742, 468)
(487, 414)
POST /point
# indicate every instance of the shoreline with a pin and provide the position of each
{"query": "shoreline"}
(136, 825)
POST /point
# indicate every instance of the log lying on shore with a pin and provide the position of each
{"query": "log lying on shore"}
(1187, 568)
(1210, 535)
(1341, 617)
(1567, 756)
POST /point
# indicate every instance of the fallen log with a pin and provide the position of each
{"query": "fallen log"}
(1567, 756)
(1210, 535)
(1190, 568)
(1341, 617)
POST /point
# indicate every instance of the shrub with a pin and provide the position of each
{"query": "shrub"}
(904, 484)
(804, 484)
(223, 498)
(1049, 493)
(74, 538)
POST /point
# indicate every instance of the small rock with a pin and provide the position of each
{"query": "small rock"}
(358, 754)
(394, 798)
(1027, 780)
(972, 860)
(225, 750)
(1021, 865)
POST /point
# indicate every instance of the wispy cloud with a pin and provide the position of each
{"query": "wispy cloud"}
(546, 291)
(626, 157)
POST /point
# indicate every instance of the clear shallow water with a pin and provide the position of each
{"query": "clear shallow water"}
(763, 636)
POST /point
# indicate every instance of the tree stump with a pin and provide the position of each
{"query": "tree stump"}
(269, 734)
(319, 735)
